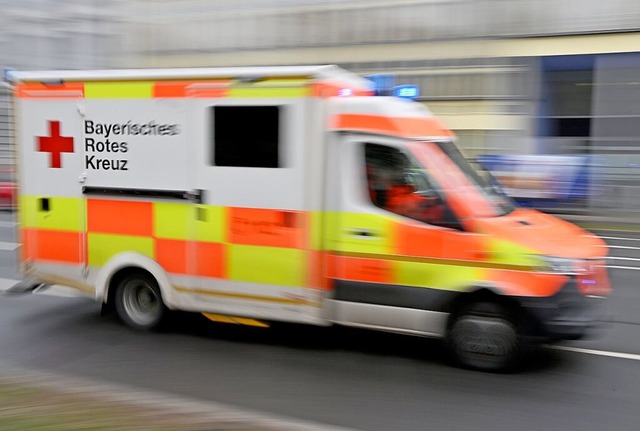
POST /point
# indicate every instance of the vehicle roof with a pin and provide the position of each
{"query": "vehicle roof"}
(318, 72)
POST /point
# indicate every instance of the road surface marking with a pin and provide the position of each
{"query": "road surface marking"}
(625, 247)
(624, 258)
(8, 246)
(623, 267)
(7, 224)
(619, 238)
(631, 356)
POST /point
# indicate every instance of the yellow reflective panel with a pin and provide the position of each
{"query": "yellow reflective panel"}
(508, 252)
(118, 90)
(172, 220)
(250, 322)
(102, 247)
(360, 232)
(56, 213)
(211, 222)
(446, 277)
(267, 265)
(220, 318)
(271, 88)
(186, 221)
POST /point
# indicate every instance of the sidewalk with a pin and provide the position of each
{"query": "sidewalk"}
(37, 401)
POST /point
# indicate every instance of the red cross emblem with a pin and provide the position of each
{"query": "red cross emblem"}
(55, 144)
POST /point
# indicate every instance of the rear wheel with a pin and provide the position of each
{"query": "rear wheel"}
(138, 301)
(484, 336)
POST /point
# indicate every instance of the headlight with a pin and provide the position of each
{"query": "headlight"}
(561, 265)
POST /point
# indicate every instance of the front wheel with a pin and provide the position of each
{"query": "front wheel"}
(483, 336)
(139, 302)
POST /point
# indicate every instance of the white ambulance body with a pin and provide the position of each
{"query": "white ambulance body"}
(245, 193)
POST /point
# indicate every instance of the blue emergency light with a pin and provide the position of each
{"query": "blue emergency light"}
(383, 83)
(407, 91)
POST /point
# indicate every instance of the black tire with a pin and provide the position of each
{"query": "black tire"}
(138, 302)
(484, 336)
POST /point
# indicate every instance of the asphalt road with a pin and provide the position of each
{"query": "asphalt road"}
(337, 376)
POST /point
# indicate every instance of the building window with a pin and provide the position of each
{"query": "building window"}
(246, 136)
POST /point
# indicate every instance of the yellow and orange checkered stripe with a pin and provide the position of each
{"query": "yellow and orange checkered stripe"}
(242, 244)
(269, 246)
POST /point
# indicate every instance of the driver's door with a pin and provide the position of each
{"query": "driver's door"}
(389, 269)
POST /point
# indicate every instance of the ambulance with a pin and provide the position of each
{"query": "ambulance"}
(286, 194)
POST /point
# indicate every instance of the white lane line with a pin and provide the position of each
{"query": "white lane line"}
(619, 238)
(632, 259)
(623, 267)
(8, 223)
(625, 247)
(8, 246)
(631, 356)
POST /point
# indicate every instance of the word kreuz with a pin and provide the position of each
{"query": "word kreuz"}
(91, 162)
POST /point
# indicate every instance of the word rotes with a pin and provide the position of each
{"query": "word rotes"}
(98, 147)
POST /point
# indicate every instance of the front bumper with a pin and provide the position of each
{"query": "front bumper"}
(567, 315)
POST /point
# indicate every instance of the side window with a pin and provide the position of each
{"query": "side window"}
(246, 136)
(385, 168)
(398, 185)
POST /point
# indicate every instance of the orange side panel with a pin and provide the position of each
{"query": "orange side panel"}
(211, 260)
(317, 263)
(49, 245)
(422, 240)
(175, 256)
(398, 126)
(267, 227)
(190, 89)
(29, 90)
(414, 240)
(120, 217)
(172, 255)
(360, 269)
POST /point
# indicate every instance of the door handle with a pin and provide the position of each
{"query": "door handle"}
(364, 233)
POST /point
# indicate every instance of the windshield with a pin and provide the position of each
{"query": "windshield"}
(469, 193)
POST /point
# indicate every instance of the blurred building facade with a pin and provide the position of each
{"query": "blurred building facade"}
(520, 77)
(54, 34)
(509, 77)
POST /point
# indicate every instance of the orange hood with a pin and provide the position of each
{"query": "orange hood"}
(545, 234)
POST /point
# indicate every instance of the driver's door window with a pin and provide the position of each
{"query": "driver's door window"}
(397, 185)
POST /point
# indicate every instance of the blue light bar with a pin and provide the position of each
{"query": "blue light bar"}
(383, 83)
(407, 91)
